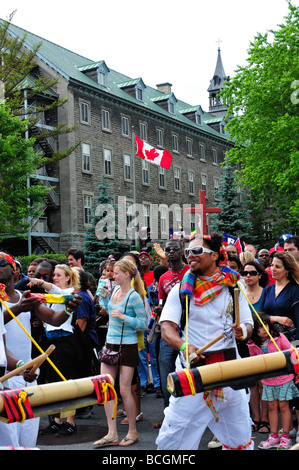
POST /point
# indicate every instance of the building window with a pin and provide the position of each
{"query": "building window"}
(162, 182)
(125, 126)
(215, 158)
(147, 215)
(159, 137)
(84, 113)
(86, 158)
(189, 147)
(171, 107)
(199, 119)
(191, 181)
(178, 218)
(145, 172)
(216, 188)
(127, 167)
(204, 183)
(177, 179)
(107, 162)
(192, 222)
(202, 152)
(143, 131)
(139, 94)
(102, 78)
(164, 214)
(87, 202)
(175, 143)
(106, 125)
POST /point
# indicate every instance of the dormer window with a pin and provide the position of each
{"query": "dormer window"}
(166, 101)
(194, 113)
(97, 71)
(171, 107)
(139, 93)
(102, 74)
(135, 88)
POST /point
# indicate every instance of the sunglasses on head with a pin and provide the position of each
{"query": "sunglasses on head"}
(45, 277)
(168, 249)
(197, 250)
(250, 273)
(4, 262)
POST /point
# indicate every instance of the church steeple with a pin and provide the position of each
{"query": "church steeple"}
(216, 107)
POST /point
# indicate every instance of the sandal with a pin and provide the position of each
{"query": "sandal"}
(255, 426)
(138, 418)
(105, 441)
(128, 441)
(264, 424)
(121, 413)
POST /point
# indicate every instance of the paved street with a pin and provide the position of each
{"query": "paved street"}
(90, 430)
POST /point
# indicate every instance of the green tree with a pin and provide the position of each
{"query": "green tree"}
(18, 201)
(263, 121)
(97, 249)
(234, 216)
(22, 81)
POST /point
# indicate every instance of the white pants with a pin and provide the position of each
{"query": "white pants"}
(186, 419)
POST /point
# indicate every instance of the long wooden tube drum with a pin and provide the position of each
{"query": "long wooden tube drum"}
(211, 376)
(39, 395)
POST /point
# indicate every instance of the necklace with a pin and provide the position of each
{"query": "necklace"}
(176, 273)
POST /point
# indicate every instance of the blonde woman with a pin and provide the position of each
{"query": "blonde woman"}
(65, 281)
(245, 257)
(126, 316)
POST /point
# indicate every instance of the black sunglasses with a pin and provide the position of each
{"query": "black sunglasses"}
(168, 249)
(45, 277)
(251, 273)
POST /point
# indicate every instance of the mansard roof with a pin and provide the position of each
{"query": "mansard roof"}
(73, 68)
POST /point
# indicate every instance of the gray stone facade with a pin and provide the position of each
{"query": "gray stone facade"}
(106, 116)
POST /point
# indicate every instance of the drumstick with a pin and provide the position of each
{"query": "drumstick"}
(237, 311)
(210, 343)
(33, 364)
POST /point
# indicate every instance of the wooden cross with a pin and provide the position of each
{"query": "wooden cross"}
(203, 210)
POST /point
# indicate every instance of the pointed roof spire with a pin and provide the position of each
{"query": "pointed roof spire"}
(216, 107)
(219, 75)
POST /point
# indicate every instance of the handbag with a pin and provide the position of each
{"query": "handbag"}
(109, 356)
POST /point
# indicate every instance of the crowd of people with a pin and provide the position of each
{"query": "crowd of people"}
(133, 323)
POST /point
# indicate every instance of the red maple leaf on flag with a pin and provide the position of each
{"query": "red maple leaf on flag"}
(151, 154)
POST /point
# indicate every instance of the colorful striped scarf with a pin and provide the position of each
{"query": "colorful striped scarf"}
(206, 288)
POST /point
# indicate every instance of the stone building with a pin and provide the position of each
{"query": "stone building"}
(108, 108)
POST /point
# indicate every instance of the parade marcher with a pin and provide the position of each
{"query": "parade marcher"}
(210, 313)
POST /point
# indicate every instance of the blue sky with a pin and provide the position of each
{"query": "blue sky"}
(160, 41)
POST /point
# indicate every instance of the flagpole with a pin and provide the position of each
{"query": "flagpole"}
(134, 183)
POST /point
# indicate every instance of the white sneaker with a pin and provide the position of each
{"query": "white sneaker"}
(214, 443)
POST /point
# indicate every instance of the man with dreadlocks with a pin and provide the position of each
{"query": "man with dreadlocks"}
(208, 286)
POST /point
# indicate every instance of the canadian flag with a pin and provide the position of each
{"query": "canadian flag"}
(149, 153)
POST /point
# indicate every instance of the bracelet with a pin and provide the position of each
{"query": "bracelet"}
(42, 283)
(19, 364)
(66, 311)
(244, 330)
(183, 347)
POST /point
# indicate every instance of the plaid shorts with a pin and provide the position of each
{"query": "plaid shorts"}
(284, 392)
